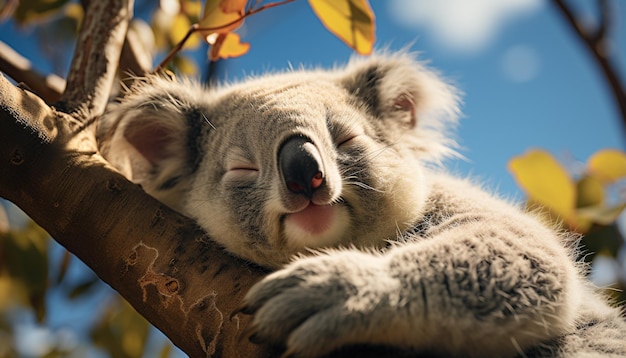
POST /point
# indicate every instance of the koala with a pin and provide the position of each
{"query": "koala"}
(333, 179)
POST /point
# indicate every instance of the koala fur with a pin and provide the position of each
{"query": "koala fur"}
(334, 168)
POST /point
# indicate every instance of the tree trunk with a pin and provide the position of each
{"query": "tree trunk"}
(160, 261)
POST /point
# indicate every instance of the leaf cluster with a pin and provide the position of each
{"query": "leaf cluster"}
(588, 202)
(28, 279)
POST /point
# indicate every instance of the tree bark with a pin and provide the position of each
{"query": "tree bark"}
(160, 261)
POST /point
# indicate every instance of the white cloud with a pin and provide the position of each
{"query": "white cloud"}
(521, 63)
(465, 25)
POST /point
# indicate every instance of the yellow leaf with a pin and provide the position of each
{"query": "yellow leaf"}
(350, 20)
(545, 181)
(608, 165)
(185, 66)
(223, 16)
(179, 28)
(228, 45)
(236, 6)
(193, 9)
(29, 11)
(590, 192)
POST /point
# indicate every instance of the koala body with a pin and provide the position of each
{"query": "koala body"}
(332, 167)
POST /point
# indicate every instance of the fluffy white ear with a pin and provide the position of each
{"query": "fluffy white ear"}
(406, 95)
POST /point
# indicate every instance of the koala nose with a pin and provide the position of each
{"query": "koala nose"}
(301, 166)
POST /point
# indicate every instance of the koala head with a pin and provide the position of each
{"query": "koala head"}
(282, 163)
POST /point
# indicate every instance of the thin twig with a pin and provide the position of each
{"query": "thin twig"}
(197, 28)
(596, 44)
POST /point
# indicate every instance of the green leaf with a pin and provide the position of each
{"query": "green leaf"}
(184, 65)
(4, 221)
(83, 288)
(601, 215)
(590, 192)
(35, 10)
(602, 239)
(608, 165)
(350, 20)
(546, 182)
(25, 257)
(166, 351)
(121, 331)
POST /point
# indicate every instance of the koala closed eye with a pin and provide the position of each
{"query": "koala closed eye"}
(340, 166)
(238, 166)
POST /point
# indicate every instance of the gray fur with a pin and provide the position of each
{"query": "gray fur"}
(414, 258)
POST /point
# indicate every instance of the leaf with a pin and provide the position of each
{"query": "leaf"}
(166, 351)
(83, 288)
(63, 266)
(608, 165)
(601, 215)
(184, 65)
(25, 253)
(223, 15)
(602, 239)
(350, 20)
(545, 181)
(4, 221)
(227, 46)
(193, 9)
(29, 11)
(121, 331)
(590, 192)
(179, 28)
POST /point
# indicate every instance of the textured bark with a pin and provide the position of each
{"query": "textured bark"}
(160, 261)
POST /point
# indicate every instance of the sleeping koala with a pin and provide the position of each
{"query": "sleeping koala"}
(335, 168)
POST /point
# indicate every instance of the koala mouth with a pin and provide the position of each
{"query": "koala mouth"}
(314, 218)
(316, 225)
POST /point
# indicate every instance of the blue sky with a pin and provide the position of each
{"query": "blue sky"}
(528, 82)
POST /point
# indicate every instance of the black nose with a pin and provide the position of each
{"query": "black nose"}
(301, 166)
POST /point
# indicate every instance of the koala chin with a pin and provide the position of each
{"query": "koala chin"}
(333, 177)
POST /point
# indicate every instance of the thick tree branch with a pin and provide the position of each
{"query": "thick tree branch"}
(160, 261)
(597, 44)
(157, 259)
(20, 69)
(96, 58)
(134, 60)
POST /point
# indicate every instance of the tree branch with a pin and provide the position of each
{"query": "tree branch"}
(596, 43)
(133, 60)
(97, 55)
(157, 259)
(20, 69)
(160, 261)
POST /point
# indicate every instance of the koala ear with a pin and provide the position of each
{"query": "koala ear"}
(404, 94)
(137, 142)
(148, 141)
(399, 86)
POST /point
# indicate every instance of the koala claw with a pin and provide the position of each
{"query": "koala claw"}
(309, 307)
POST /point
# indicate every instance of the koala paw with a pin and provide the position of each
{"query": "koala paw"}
(318, 304)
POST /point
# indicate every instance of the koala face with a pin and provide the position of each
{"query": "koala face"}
(283, 163)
